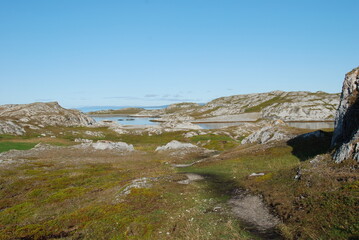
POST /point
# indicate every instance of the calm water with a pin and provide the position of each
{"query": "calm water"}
(218, 125)
(146, 121)
(127, 120)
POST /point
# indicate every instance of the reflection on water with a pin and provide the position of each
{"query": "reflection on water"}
(127, 120)
(311, 125)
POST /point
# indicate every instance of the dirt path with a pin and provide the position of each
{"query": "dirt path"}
(254, 214)
(250, 209)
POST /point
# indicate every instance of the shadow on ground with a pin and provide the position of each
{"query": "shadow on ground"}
(307, 146)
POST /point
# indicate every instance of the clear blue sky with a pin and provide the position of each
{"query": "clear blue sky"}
(152, 52)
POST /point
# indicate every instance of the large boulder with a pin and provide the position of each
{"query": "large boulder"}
(176, 145)
(106, 145)
(346, 133)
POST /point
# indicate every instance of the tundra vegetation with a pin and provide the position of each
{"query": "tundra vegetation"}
(61, 178)
(75, 193)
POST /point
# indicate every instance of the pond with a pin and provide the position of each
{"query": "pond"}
(125, 120)
(218, 125)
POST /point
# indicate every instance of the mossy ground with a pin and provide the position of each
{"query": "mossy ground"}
(6, 146)
(77, 194)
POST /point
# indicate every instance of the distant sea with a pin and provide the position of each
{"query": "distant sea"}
(98, 108)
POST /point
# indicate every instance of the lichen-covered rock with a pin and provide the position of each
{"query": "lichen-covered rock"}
(103, 145)
(179, 150)
(346, 133)
(137, 183)
(83, 140)
(175, 145)
(302, 106)
(9, 127)
(268, 134)
(288, 106)
(108, 145)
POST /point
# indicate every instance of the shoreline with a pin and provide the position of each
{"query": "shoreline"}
(203, 122)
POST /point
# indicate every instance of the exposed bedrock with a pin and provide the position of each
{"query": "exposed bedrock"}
(346, 134)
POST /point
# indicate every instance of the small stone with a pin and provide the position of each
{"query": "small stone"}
(256, 174)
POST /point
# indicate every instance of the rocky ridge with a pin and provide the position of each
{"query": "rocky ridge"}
(287, 106)
(15, 118)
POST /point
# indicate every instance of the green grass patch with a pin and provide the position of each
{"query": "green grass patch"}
(17, 213)
(199, 114)
(262, 105)
(6, 146)
(66, 193)
(273, 159)
(215, 142)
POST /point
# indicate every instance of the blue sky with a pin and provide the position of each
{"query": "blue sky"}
(154, 52)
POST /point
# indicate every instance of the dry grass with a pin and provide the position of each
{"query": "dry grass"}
(76, 194)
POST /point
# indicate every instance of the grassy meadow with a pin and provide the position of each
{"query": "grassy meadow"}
(64, 193)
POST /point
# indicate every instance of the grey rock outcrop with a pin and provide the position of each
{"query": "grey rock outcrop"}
(107, 145)
(103, 145)
(175, 145)
(346, 133)
(180, 150)
(39, 115)
(267, 134)
(8, 127)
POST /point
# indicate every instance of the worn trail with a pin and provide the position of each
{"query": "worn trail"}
(250, 209)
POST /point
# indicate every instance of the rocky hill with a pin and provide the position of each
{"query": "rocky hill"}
(287, 106)
(15, 118)
(346, 134)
